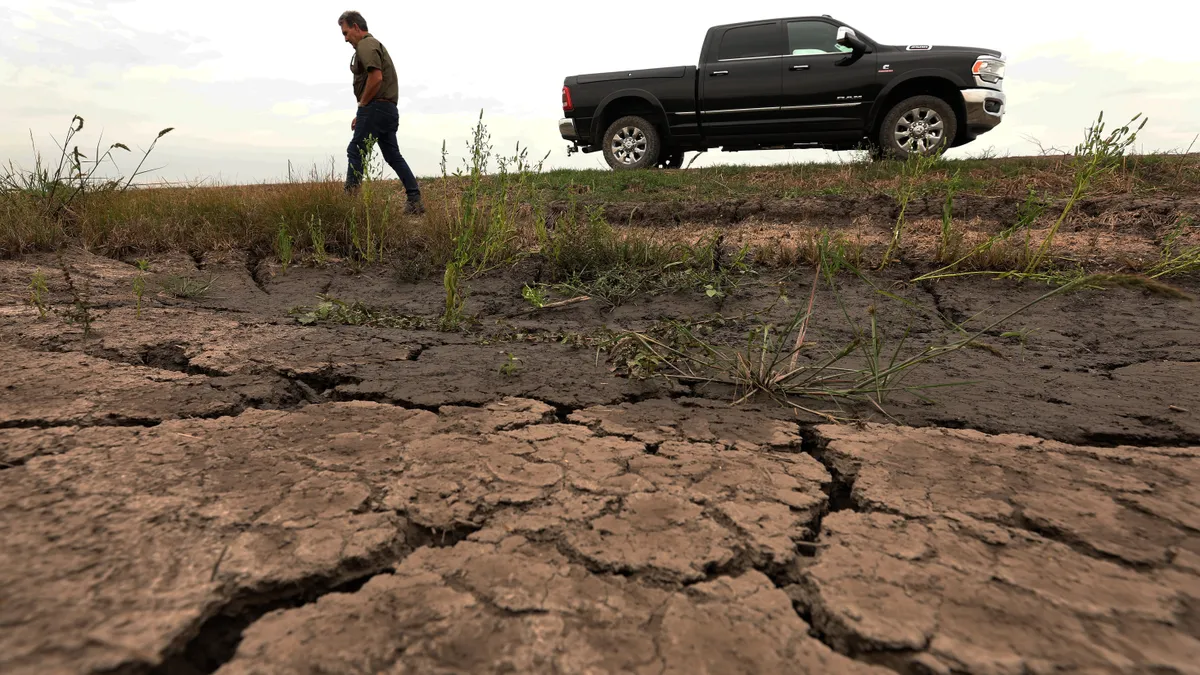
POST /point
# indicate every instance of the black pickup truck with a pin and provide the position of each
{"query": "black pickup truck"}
(806, 82)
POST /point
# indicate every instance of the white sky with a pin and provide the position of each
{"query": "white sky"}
(251, 85)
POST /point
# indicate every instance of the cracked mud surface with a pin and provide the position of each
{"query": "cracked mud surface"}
(216, 488)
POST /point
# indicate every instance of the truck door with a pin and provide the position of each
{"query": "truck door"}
(740, 83)
(825, 87)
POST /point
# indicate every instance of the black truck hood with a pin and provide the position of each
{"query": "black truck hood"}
(645, 74)
(947, 49)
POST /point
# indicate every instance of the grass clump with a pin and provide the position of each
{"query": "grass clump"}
(1010, 254)
(808, 252)
(912, 172)
(139, 290)
(1096, 156)
(80, 312)
(335, 312)
(283, 246)
(41, 207)
(483, 224)
(1173, 262)
(950, 240)
(591, 259)
(39, 293)
(185, 287)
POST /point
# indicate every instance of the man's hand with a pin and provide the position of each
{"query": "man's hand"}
(353, 123)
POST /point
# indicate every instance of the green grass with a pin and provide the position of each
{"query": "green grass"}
(497, 209)
(590, 258)
(1166, 173)
(334, 312)
(1173, 261)
(185, 287)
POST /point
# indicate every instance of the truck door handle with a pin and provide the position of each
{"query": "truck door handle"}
(720, 72)
(800, 67)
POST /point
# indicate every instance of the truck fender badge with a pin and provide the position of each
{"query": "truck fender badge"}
(914, 48)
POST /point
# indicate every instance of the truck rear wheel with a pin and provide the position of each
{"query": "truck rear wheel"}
(920, 125)
(631, 143)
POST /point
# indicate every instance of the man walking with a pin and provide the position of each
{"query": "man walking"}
(377, 91)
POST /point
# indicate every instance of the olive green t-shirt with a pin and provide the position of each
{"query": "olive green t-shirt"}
(370, 53)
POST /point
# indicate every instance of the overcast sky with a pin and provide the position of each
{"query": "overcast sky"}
(251, 85)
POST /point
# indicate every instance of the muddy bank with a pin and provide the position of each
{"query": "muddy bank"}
(1128, 213)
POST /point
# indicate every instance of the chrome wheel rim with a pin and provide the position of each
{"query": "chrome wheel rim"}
(629, 145)
(920, 130)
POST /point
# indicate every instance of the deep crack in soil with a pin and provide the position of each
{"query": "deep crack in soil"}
(218, 638)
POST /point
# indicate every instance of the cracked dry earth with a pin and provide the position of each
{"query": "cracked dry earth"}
(215, 489)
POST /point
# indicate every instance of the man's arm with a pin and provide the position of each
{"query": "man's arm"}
(374, 82)
(370, 56)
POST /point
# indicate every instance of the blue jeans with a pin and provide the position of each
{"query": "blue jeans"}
(379, 119)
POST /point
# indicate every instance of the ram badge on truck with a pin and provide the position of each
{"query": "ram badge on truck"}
(807, 82)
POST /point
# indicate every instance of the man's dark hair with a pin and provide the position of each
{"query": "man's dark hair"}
(351, 19)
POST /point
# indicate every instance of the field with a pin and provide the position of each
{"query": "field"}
(927, 417)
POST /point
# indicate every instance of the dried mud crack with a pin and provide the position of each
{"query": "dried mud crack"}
(217, 639)
(302, 501)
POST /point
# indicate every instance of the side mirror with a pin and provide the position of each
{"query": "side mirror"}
(846, 37)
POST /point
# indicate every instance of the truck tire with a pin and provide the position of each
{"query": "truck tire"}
(920, 125)
(671, 159)
(631, 143)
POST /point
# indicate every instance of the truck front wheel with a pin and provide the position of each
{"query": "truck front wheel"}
(920, 125)
(631, 143)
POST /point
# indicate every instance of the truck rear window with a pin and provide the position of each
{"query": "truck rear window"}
(747, 42)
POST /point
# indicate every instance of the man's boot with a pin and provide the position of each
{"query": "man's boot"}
(414, 207)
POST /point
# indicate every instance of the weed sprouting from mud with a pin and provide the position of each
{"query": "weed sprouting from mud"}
(1173, 263)
(808, 251)
(535, 296)
(510, 366)
(80, 312)
(316, 238)
(1011, 253)
(332, 311)
(139, 289)
(39, 293)
(592, 259)
(1095, 156)
(913, 171)
(950, 240)
(456, 298)
(484, 223)
(283, 246)
(185, 287)
(1006, 251)
(368, 218)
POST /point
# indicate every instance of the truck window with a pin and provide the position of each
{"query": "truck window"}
(813, 37)
(748, 42)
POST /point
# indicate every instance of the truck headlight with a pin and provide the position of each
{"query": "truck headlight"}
(989, 70)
